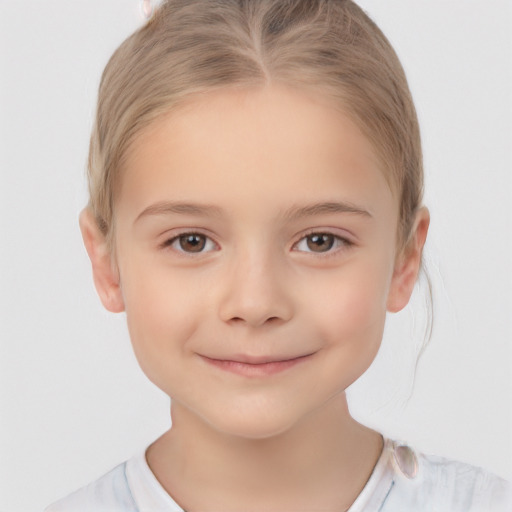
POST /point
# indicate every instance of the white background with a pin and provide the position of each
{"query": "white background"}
(73, 402)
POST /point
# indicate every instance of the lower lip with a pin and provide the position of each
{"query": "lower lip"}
(256, 370)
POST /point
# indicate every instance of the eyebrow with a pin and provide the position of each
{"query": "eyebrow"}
(293, 213)
(298, 212)
(167, 207)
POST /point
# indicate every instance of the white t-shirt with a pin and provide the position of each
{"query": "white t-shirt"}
(402, 481)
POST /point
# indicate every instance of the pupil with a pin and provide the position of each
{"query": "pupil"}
(320, 242)
(192, 243)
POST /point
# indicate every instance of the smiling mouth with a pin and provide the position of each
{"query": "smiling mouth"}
(256, 366)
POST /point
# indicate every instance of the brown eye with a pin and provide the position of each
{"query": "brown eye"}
(320, 242)
(192, 242)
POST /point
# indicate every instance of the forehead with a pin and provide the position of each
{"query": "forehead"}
(273, 141)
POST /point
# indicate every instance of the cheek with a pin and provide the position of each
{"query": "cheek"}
(353, 308)
(351, 326)
(160, 317)
(155, 297)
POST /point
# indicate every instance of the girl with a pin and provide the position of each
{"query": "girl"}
(256, 209)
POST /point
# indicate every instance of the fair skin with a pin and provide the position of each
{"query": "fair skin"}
(255, 255)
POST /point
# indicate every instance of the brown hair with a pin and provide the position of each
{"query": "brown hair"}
(193, 46)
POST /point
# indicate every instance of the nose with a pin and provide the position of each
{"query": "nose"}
(255, 292)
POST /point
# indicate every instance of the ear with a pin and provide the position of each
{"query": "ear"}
(408, 264)
(104, 270)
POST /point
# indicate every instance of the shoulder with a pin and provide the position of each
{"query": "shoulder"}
(110, 493)
(445, 485)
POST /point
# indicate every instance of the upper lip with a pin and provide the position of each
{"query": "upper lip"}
(248, 359)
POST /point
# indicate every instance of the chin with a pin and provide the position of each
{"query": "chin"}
(257, 430)
(253, 424)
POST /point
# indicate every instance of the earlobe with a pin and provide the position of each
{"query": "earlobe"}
(408, 265)
(105, 274)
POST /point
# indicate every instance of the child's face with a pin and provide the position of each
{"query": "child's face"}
(256, 246)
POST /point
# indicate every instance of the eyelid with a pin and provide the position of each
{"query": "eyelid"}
(345, 241)
(170, 239)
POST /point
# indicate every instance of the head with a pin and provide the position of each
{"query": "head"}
(285, 86)
(328, 47)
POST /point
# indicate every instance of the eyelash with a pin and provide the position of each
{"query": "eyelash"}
(338, 243)
(180, 237)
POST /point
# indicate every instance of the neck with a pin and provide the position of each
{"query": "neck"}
(320, 464)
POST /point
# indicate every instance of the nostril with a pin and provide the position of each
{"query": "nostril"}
(253, 304)
(238, 319)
